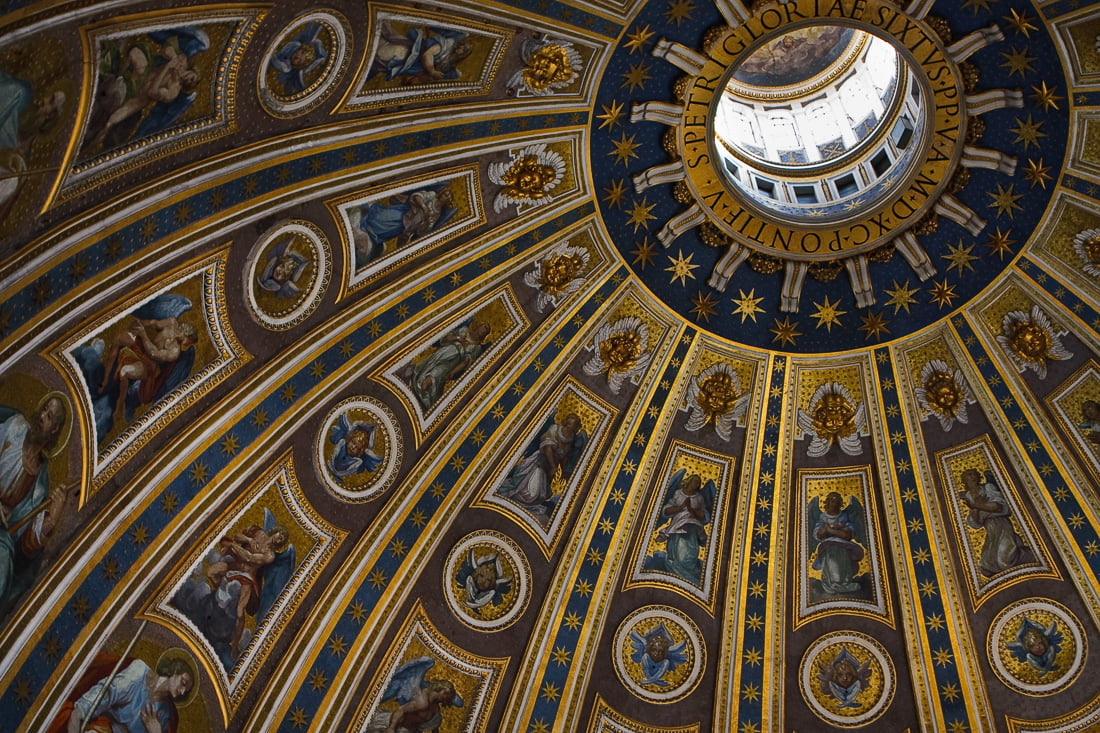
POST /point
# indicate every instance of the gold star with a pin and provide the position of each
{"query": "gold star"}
(1021, 23)
(976, 5)
(595, 556)
(679, 11)
(573, 621)
(757, 589)
(1000, 243)
(702, 306)
(298, 717)
(612, 115)
(438, 490)
(347, 348)
(928, 589)
(755, 622)
(1004, 200)
(785, 332)
(943, 293)
(418, 519)
(874, 325)
(749, 726)
(613, 194)
(636, 77)
(199, 472)
(606, 527)
(681, 268)
(957, 726)
(317, 369)
(397, 548)
(141, 535)
(949, 692)
(748, 305)
(378, 578)
(550, 691)
(169, 502)
(318, 680)
(337, 646)
(1028, 132)
(942, 656)
(902, 296)
(288, 393)
(934, 622)
(643, 255)
(640, 213)
(751, 692)
(753, 657)
(624, 149)
(584, 588)
(960, 257)
(540, 726)
(636, 41)
(828, 314)
(921, 556)
(1044, 96)
(1036, 173)
(1018, 62)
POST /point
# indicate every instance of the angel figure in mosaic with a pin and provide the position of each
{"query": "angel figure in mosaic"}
(421, 55)
(1002, 548)
(402, 218)
(355, 442)
(420, 700)
(238, 580)
(832, 418)
(284, 268)
(484, 580)
(835, 541)
(557, 275)
(541, 476)
(1030, 341)
(657, 654)
(549, 64)
(844, 678)
(299, 59)
(622, 352)
(714, 396)
(685, 513)
(1036, 645)
(943, 393)
(454, 353)
(1090, 420)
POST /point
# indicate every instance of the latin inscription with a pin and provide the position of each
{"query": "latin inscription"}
(891, 215)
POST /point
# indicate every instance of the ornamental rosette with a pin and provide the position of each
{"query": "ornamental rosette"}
(557, 275)
(714, 396)
(1030, 341)
(528, 178)
(621, 352)
(943, 393)
(833, 417)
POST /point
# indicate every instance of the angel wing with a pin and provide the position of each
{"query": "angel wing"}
(813, 514)
(850, 443)
(710, 491)
(407, 680)
(165, 305)
(819, 446)
(596, 364)
(856, 519)
(673, 484)
(723, 424)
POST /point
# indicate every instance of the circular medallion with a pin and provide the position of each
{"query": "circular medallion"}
(1037, 646)
(487, 581)
(659, 653)
(302, 64)
(847, 678)
(358, 449)
(288, 272)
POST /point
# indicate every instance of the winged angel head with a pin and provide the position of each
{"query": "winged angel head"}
(714, 396)
(833, 418)
(1087, 246)
(558, 274)
(549, 64)
(1030, 341)
(622, 351)
(943, 393)
(528, 178)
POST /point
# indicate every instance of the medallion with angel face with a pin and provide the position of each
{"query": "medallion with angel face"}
(559, 274)
(487, 580)
(527, 178)
(715, 396)
(622, 351)
(943, 393)
(833, 418)
(1030, 341)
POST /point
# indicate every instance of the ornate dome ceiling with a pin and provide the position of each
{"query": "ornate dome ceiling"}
(419, 366)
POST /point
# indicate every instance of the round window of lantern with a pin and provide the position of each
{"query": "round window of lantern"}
(812, 133)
